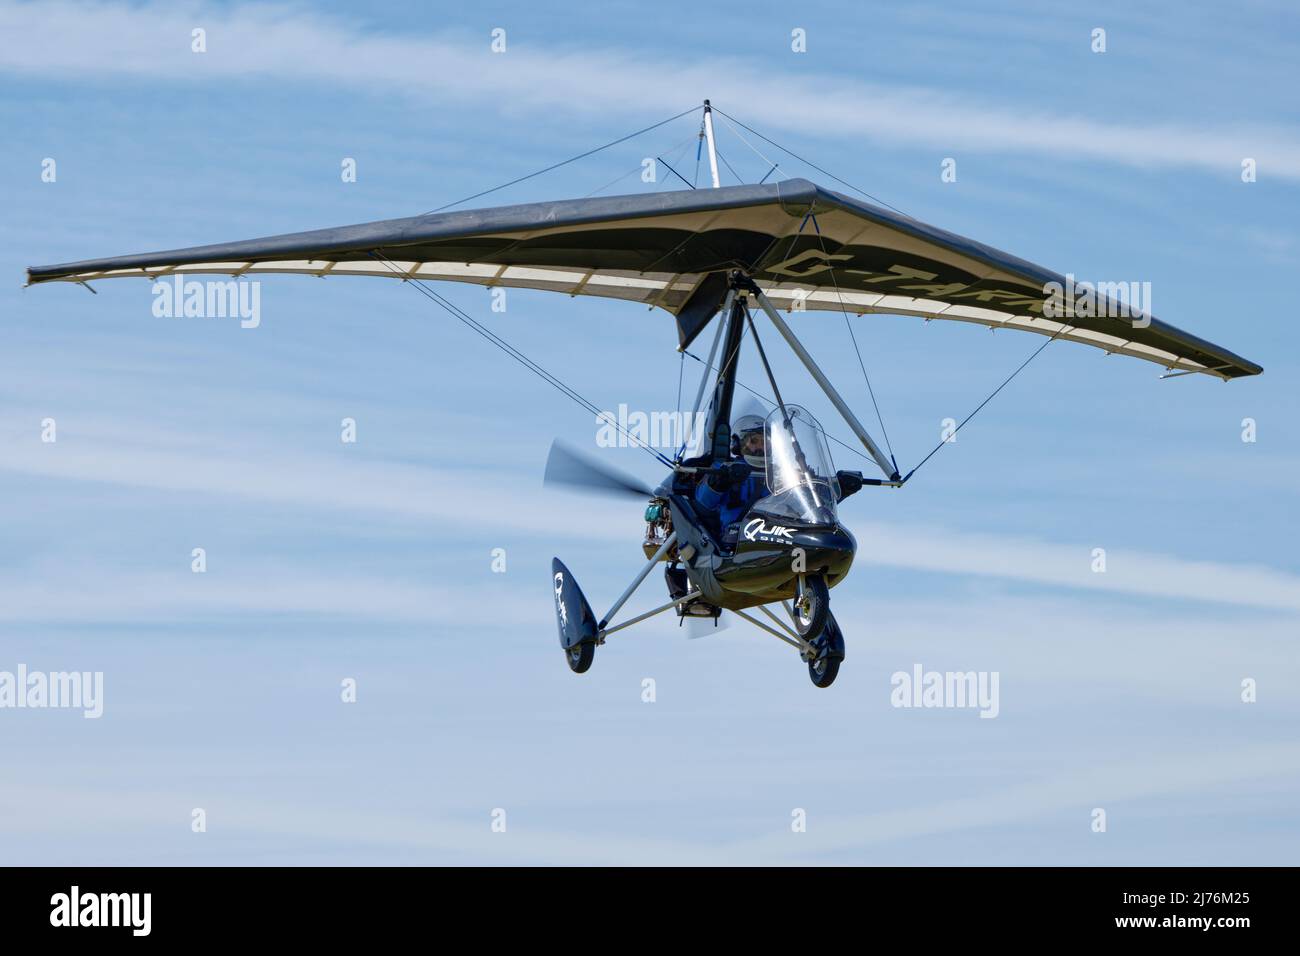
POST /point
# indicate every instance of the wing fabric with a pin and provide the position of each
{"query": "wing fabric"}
(807, 247)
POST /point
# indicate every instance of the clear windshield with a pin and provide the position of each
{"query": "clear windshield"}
(800, 475)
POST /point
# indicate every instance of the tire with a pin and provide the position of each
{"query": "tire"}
(812, 608)
(822, 671)
(580, 656)
(825, 667)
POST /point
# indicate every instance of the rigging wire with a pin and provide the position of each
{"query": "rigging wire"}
(757, 152)
(849, 325)
(465, 318)
(793, 239)
(727, 117)
(1004, 384)
(763, 398)
(811, 164)
(571, 159)
(537, 369)
(728, 165)
(762, 354)
(670, 151)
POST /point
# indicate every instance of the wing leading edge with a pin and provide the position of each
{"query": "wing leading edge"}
(806, 247)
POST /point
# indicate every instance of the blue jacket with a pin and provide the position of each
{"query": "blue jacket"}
(731, 505)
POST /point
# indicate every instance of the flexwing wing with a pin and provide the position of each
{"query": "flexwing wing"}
(804, 245)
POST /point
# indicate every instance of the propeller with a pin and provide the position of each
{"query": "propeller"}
(565, 466)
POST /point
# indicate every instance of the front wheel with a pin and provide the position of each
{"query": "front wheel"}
(812, 606)
(829, 646)
(580, 656)
(823, 670)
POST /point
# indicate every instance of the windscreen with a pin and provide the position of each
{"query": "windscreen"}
(800, 474)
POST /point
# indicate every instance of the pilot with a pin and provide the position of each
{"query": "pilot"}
(730, 489)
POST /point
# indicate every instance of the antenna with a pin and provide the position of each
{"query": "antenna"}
(713, 152)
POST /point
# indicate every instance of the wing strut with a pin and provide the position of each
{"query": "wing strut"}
(815, 371)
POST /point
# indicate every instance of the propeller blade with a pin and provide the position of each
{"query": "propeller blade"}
(565, 466)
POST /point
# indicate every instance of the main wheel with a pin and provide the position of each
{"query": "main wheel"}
(812, 605)
(580, 656)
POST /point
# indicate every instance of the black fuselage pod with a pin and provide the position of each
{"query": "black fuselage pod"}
(769, 557)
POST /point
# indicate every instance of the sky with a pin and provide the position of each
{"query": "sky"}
(379, 561)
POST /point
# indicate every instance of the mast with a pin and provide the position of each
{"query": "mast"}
(717, 434)
(713, 152)
(719, 425)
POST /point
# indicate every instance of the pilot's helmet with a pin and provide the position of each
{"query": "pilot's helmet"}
(751, 441)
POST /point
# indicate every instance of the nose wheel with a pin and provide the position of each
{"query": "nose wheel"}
(812, 606)
(824, 666)
(811, 613)
(823, 670)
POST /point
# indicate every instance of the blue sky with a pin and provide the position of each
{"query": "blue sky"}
(372, 560)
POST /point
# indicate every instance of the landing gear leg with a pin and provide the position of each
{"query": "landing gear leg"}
(822, 654)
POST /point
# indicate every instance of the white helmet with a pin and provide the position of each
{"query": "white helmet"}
(749, 435)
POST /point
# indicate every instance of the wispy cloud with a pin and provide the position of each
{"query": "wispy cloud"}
(285, 43)
(1111, 785)
(1107, 784)
(401, 491)
(80, 594)
(1127, 570)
